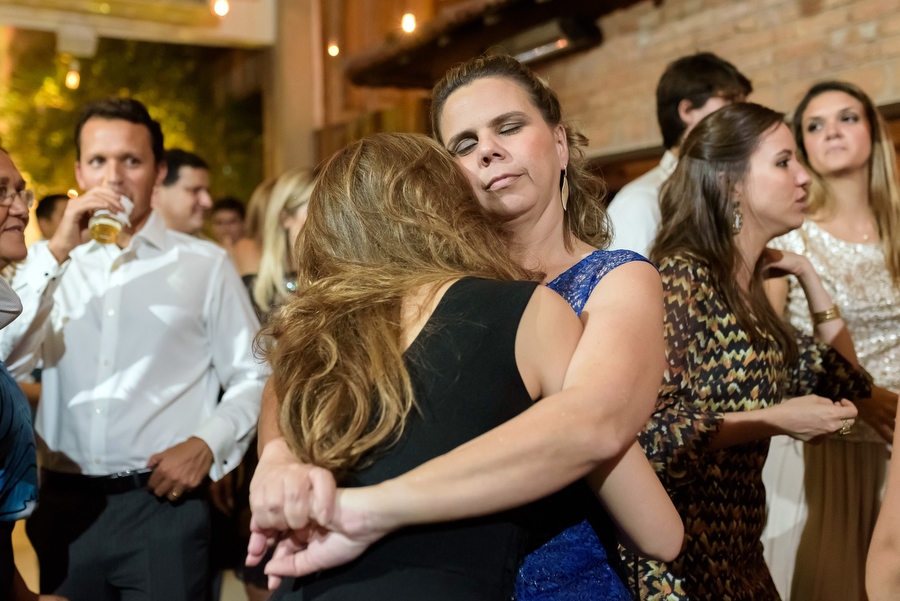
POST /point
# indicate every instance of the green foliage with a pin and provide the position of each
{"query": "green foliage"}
(37, 111)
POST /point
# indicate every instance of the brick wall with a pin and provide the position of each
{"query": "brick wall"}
(783, 46)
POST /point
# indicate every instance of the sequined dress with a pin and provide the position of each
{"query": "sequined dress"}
(569, 562)
(714, 368)
(835, 485)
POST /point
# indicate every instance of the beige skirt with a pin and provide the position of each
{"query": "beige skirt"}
(822, 502)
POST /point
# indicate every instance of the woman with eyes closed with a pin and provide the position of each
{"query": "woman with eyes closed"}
(826, 497)
(504, 127)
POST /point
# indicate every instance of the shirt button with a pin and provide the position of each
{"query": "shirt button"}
(98, 410)
(96, 461)
(106, 363)
(111, 312)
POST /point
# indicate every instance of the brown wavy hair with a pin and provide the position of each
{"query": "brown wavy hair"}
(697, 206)
(389, 215)
(585, 216)
(884, 196)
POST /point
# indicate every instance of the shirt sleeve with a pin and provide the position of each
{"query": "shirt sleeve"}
(232, 325)
(634, 215)
(821, 370)
(680, 430)
(35, 281)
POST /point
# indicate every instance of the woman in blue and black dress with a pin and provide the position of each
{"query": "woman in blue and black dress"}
(504, 127)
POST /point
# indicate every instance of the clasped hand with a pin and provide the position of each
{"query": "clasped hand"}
(298, 509)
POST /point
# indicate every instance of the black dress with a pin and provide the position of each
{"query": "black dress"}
(466, 382)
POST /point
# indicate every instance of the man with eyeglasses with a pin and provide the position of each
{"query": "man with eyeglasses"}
(137, 338)
(691, 88)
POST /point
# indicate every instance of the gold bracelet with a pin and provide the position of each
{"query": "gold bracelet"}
(826, 315)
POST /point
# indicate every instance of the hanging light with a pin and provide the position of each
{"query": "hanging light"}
(73, 77)
(408, 22)
(333, 50)
(221, 7)
(72, 193)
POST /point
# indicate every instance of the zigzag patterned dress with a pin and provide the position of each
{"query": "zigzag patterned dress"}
(713, 368)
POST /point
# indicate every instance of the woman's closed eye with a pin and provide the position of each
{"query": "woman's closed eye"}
(463, 147)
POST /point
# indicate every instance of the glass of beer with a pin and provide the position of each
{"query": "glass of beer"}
(105, 225)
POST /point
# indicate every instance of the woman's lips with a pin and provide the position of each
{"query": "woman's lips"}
(501, 181)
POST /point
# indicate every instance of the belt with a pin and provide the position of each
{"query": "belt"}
(80, 484)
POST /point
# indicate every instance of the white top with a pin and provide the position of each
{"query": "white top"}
(136, 344)
(634, 212)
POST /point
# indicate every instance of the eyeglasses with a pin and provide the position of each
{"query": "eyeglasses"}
(7, 197)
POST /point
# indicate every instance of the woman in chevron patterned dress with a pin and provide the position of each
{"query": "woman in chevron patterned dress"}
(730, 358)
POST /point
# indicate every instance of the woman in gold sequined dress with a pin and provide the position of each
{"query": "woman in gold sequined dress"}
(852, 237)
(737, 186)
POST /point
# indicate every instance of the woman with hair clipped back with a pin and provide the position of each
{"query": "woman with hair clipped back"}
(826, 498)
(732, 360)
(504, 127)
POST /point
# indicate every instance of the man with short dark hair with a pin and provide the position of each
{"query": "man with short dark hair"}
(691, 88)
(227, 220)
(183, 197)
(49, 212)
(137, 338)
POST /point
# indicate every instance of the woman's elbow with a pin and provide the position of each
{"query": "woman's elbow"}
(662, 544)
(670, 543)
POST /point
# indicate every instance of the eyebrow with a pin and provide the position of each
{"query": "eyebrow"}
(841, 110)
(492, 123)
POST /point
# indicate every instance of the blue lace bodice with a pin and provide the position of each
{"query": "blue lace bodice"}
(573, 565)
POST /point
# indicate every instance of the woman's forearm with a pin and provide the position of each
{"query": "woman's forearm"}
(267, 428)
(647, 522)
(883, 561)
(535, 454)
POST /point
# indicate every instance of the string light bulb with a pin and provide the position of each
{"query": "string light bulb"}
(221, 7)
(408, 23)
(73, 193)
(333, 50)
(73, 77)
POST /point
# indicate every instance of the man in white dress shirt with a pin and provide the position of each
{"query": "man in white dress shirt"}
(690, 88)
(137, 338)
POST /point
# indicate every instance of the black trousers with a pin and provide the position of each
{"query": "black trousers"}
(130, 546)
(7, 564)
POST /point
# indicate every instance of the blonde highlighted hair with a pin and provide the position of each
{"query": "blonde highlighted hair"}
(289, 193)
(388, 215)
(884, 195)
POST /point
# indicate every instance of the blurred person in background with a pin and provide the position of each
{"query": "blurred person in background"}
(137, 338)
(49, 212)
(247, 252)
(183, 197)
(18, 459)
(269, 282)
(825, 498)
(690, 88)
(226, 221)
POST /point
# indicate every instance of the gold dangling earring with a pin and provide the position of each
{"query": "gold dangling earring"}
(564, 190)
(738, 220)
